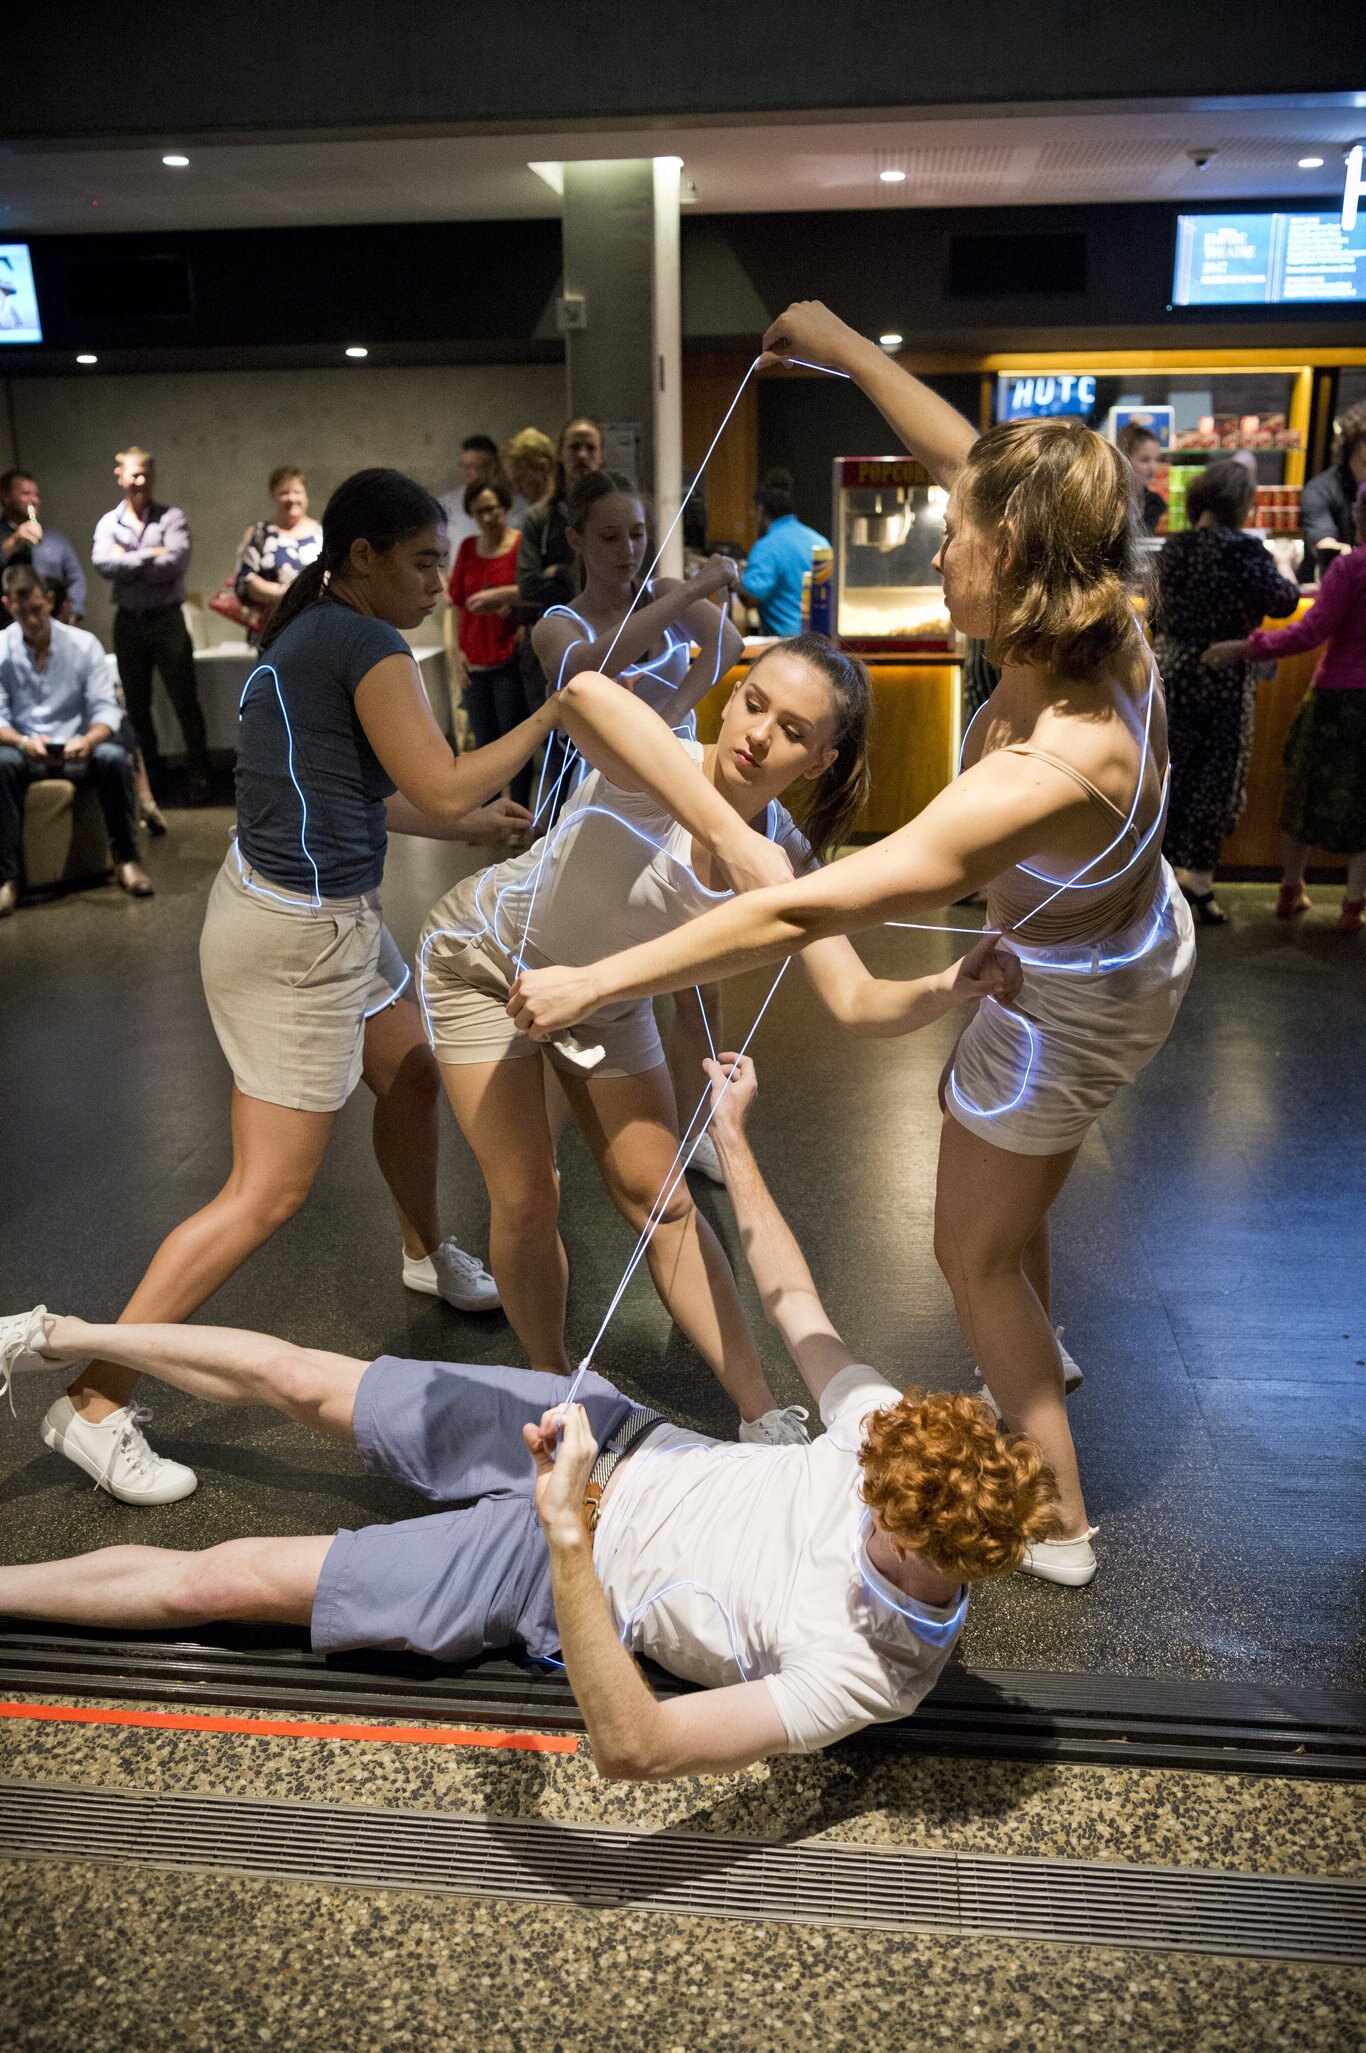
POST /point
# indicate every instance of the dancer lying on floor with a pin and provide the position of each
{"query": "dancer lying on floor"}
(661, 830)
(1058, 816)
(814, 1589)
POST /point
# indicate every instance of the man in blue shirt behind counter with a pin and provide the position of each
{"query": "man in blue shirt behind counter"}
(59, 715)
(780, 558)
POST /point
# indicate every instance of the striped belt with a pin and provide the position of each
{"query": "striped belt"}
(615, 1449)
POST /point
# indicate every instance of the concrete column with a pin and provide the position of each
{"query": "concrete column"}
(621, 256)
(668, 351)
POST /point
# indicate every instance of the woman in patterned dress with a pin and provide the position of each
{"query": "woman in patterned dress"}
(273, 552)
(1214, 584)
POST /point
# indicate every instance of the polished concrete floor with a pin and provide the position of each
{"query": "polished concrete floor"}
(1208, 1265)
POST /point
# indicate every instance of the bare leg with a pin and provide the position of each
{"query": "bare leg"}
(224, 1365)
(556, 1105)
(401, 1071)
(630, 1124)
(989, 1208)
(146, 1587)
(1356, 875)
(1294, 861)
(275, 1158)
(687, 1046)
(1036, 1262)
(501, 1107)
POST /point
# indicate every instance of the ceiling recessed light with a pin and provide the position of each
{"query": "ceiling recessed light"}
(176, 163)
(1311, 163)
(86, 358)
(356, 350)
(892, 177)
(891, 340)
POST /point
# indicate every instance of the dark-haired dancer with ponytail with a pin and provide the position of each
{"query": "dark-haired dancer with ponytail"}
(305, 986)
(659, 830)
(1058, 815)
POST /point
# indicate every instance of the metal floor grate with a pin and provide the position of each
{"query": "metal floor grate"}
(1091, 1903)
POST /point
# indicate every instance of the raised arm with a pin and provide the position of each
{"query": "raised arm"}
(565, 645)
(790, 1299)
(720, 645)
(392, 707)
(934, 432)
(635, 750)
(989, 817)
(633, 1736)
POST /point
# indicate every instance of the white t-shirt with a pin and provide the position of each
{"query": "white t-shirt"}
(619, 871)
(728, 1563)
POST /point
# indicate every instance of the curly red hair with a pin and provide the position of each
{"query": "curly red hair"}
(945, 1481)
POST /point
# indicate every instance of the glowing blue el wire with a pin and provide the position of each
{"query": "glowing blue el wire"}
(936, 1632)
(978, 1111)
(703, 1591)
(270, 670)
(393, 997)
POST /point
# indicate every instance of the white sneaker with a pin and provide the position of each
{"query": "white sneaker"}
(449, 1273)
(781, 1427)
(1072, 1377)
(706, 1162)
(21, 1337)
(1072, 1562)
(115, 1452)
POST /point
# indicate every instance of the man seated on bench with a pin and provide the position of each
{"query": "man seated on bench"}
(58, 717)
(814, 1589)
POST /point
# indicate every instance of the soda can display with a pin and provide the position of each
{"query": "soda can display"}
(806, 600)
(822, 620)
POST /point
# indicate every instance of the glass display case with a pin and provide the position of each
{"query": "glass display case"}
(888, 523)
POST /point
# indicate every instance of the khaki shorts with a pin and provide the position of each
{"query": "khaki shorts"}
(1033, 1077)
(290, 986)
(463, 989)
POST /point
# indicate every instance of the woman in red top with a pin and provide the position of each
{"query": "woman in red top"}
(481, 635)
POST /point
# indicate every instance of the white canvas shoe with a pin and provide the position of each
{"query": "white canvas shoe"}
(452, 1275)
(784, 1426)
(706, 1162)
(21, 1338)
(1070, 1562)
(115, 1452)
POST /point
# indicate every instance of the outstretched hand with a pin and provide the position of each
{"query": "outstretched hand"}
(563, 1465)
(811, 333)
(502, 819)
(1220, 655)
(986, 971)
(543, 1002)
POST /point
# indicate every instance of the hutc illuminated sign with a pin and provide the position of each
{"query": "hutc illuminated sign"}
(1039, 394)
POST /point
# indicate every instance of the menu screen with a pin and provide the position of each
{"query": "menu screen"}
(1268, 259)
(18, 301)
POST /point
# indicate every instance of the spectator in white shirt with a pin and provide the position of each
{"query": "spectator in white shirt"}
(59, 714)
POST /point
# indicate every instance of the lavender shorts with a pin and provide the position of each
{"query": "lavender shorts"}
(458, 1583)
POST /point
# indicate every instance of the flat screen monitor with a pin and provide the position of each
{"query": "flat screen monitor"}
(19, 320)
(1225, 260)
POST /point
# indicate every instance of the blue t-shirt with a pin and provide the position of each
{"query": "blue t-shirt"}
(310, 789)
(774, 570)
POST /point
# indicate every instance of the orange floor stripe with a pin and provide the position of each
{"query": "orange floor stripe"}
(288, 1728)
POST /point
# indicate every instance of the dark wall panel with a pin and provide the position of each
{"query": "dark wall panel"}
(171, 70)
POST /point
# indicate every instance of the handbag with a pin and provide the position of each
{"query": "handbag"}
(227, 603)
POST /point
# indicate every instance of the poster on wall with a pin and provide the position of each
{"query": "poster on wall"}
(1159, 420)
(18, 299)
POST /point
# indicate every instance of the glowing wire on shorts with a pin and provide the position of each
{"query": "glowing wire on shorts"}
(1032, 1038)
(269, 670)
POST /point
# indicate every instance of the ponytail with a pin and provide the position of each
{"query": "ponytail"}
(307, 587)
(378, 506)
(837, 797)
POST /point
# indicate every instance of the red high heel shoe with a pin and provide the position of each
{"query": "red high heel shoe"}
(1351, 917)
(1293, 899)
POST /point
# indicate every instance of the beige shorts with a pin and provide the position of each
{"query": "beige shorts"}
(463, 990)
(290, 986)
(1033, 1077)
